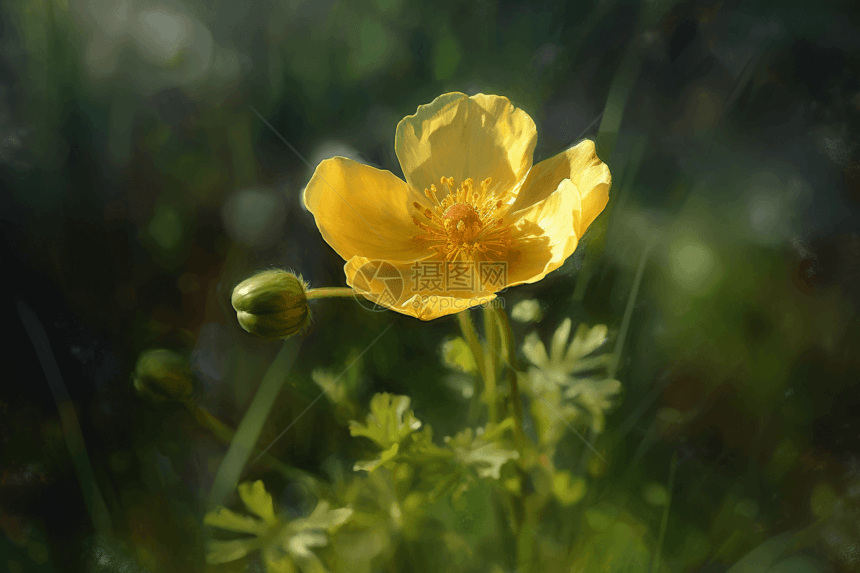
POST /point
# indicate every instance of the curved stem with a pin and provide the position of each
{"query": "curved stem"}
(329, 292)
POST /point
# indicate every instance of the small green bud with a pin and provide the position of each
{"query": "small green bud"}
(272, 304)
(163, 375)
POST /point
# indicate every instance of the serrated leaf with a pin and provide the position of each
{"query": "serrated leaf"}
(385, 456)
(223, 518)
(485, 456)
(535, 351)
(286, 547)
(225, 551)
(559, 341)
(390, 421)
(585, 341)
(258, 501)
(552, 416)
(595, 397)
(323, 517)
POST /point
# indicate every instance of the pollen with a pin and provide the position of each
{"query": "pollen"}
(465, 224)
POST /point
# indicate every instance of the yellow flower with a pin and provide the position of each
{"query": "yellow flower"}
(473, 216)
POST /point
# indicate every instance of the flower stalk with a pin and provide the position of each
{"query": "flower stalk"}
(471, 337)
(492, 335)
(510, 355)
(329, 292)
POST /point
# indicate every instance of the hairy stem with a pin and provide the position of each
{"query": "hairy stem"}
(329, 292)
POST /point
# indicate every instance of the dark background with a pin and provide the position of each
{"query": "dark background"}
(139, 186)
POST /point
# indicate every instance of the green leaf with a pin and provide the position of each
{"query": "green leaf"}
(258, 501)
(585, 341)
(535, 351)
(595, 397)
(390, 421)
(224, 551)
(385, 456)
(552, 416)
(485, 456)
(299, 545)
(559, 341)
(325, 518)
(231, 521)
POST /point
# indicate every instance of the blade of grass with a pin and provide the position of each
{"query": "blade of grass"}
(607, 220)
(628, 312)
(664, 522)
(248, 432)
(607, 135)
(72, 433)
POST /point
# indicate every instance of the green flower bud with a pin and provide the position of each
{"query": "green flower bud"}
(163, 375)
(272, 304)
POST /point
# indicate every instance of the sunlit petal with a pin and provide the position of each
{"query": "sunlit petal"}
(393, 285)
(466, 137)
(544, 236)
(362, 211)
(589, 175)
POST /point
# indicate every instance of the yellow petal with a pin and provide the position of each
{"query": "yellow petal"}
(392, 285)
(466, 137)
(544, 236)
(363, 211)
(586, 171)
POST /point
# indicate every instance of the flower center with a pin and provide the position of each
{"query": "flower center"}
(465, 223)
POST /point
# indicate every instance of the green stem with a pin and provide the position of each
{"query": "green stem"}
(329, 292)
(468, 330)
(492, 335)
(510, 355)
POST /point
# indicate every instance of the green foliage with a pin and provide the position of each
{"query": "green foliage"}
(468, 456)
(286, 546)
(570, 384)
(389, 422)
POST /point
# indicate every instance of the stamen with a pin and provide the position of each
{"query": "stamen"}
(463, 222)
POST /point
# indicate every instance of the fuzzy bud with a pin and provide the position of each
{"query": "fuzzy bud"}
(271, 304)
(163, 375)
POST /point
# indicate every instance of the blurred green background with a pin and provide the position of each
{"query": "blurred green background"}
(141, 182)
